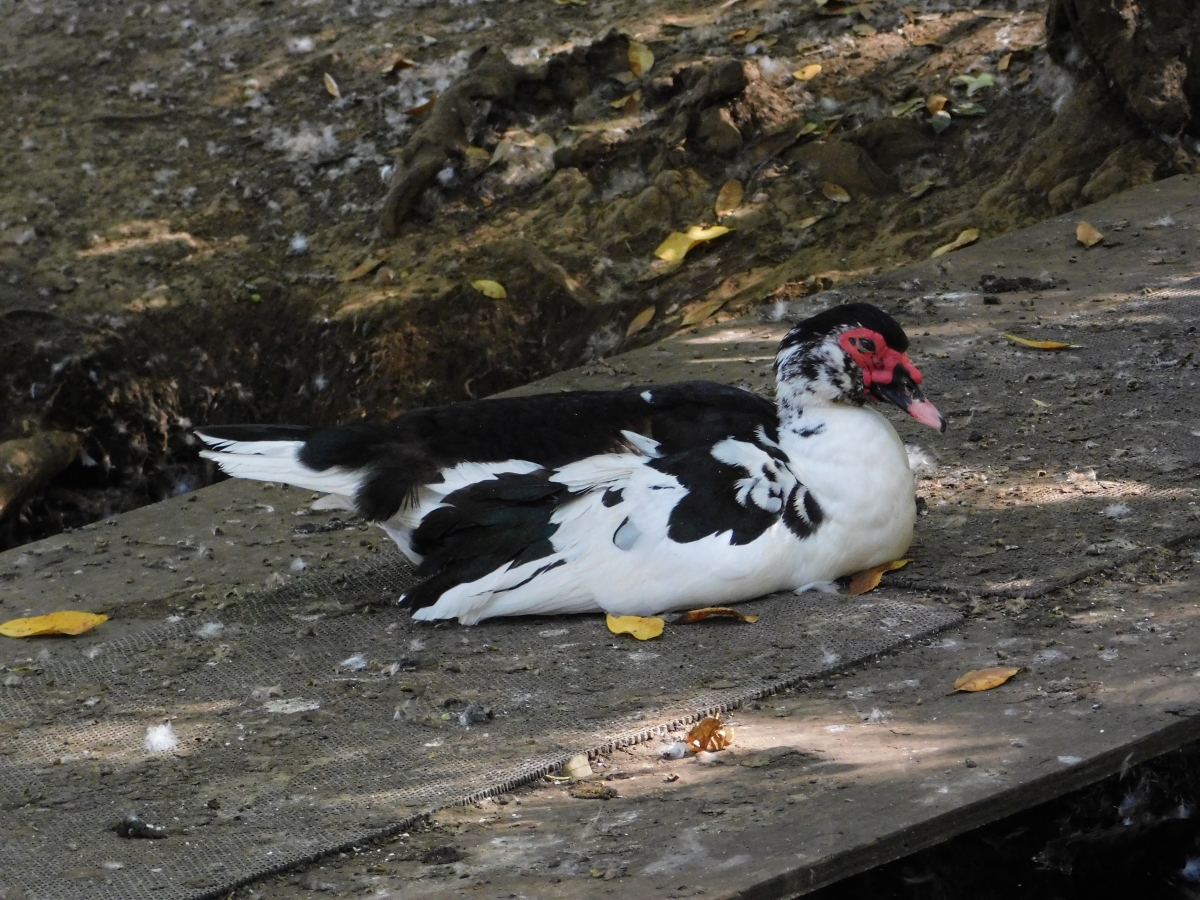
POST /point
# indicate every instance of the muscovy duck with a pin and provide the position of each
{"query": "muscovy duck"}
(631, 502)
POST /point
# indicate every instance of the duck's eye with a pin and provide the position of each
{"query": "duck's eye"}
(866, 345)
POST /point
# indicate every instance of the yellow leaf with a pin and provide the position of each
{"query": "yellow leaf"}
(699, 615)
(808, 73)
(835, 192)
(641, 60)
(1037, 345)
(331, 86)
(366, 267)
(808, 222)
(66, 621)
(969, 236)
(745, 35)
(869, 579)
(640, 627)
(729, 197)
(640, 321)
(709, 734)
(477, 153)
(1087, 234)
(701, 311)
(1042, 403)
(984, 679)
(935, 103)
(489, 288)
(677, 244)
(628, 102)
(809, 128)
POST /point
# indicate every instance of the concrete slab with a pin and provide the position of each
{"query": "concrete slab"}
(819, 784)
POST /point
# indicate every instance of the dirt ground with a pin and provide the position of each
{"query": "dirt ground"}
(192, 228)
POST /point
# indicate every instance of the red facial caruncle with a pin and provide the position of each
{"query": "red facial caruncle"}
(877, 360)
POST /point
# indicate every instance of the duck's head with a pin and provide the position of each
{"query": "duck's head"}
(847, 355)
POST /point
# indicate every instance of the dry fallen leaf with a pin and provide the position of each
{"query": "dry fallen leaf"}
(641, 627)
(699, 615)
(935, 103)
(862, 29)
(709, 734)
(984, 679)
(396, 65)
(1025, 75)
(808, 222)
(698, 312)
(1042, 403)
(677, 244)
(968, 236)
(974, 83)
(1037, 345)
(65, 621)
(869, 579)
(1087, 234)
(920, 189)
(628, 103)
(903, 109)
(745, 35)
(835, 192)
(808, 73)
(489, 288)
(640, 321)
(1005, 62)
(366, 267)
(729, 197)
(477, 153)
(331, 86)
(641, 60)
(422, 108)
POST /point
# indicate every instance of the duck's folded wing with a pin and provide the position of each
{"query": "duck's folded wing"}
(379, 468)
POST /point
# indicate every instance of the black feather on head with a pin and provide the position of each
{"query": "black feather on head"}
(851, 315)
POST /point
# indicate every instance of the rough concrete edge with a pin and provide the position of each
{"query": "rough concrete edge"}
(901, 843)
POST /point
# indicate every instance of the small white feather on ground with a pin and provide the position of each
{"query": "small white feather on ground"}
(161, 738)
(921, 461)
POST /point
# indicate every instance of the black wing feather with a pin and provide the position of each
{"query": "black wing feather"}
(547, 429)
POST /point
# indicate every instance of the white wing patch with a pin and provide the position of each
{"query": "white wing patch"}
(768, 482)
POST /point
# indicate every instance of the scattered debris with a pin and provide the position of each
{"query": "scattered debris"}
(134, 827)
(592, 790)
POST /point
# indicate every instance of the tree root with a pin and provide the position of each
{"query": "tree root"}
(444, 134)
(27, 464)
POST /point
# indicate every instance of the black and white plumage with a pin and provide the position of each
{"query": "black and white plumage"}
(631, 502)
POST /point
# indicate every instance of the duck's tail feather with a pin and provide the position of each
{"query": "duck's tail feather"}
(272, 453)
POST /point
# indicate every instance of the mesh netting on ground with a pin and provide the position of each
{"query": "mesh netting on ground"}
(320, 715)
